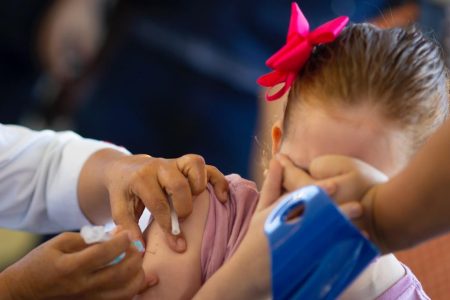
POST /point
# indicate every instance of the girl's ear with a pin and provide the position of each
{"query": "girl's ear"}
(277, 136)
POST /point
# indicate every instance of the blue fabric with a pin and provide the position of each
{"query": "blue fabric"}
(19, 69)
(182, 79)
(432, 19)
(247, 32)
(168, 115)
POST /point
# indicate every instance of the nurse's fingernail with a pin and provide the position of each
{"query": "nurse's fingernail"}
(181, 244)
(139, 246)
(117, 260)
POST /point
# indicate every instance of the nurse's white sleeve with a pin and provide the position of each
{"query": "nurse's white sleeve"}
(39, 173)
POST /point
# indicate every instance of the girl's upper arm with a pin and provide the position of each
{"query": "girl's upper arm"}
(179, 274)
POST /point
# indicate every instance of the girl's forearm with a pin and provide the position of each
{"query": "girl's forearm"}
(247, 274)
(233, 282)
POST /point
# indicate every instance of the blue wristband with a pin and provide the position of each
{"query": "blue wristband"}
(317, 254)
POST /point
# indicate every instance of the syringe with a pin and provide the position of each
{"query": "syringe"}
(174, 218)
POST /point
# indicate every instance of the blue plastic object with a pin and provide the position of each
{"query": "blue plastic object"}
(316, 254)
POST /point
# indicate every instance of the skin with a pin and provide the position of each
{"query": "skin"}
(55, 270)
(358, 132)
(392, 209)
(253, 281)
(66, 268)
(179, 274)
(118, 185)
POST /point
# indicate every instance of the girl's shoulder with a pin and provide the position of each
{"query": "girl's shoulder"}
(241, 188)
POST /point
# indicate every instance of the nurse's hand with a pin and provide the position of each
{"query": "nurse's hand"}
(66, 268)
(133, 182)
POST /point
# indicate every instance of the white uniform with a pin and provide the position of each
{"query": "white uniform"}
(39, 173)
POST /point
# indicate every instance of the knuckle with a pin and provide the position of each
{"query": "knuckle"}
(195, 159)
(151, 165)
(212, 169)
(143, 156)
(66, 236)
(156, 162)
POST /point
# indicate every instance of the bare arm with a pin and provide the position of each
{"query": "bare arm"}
(179, 274)
(92, 192)
(4, 290)
(114, 183)
(415, 205)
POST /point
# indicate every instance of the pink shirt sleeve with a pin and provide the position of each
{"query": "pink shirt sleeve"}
(227, 223)
(407, 288)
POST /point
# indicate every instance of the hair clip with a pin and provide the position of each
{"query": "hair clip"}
(290, 59)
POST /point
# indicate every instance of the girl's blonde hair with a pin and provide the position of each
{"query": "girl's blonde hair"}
(399, 71)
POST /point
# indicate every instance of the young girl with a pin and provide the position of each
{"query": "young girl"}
(371, 94)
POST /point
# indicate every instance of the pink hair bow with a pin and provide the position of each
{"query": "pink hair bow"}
(289, 60)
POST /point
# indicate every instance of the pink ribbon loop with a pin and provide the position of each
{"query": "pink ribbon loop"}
(291, 58)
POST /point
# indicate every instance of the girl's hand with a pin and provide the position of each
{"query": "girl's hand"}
(344, 178)
(254, 253)
(347, 180)
(254, 281)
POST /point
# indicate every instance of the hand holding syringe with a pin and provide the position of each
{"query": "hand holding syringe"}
(98, 234)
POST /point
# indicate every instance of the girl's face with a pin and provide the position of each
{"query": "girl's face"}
(358, 132)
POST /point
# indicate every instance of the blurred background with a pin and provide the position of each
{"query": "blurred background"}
(169, 77)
